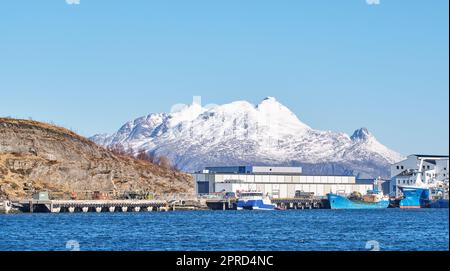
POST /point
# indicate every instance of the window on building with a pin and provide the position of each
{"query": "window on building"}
(398, 167)
(402, 167)
(203, 187)
(428, 167)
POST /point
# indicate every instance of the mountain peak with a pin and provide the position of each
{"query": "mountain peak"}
(270, 101)
(270, 98)
(361, 134)
(277, 114)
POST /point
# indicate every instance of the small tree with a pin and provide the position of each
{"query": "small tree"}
(164, 162)
(144, 156)
(118, 150)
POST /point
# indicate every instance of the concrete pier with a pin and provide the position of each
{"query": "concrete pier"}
(221, 204)
(85, 206)
(282, 203)
(300, 203)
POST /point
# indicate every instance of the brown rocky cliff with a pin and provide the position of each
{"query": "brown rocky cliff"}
(38, 156)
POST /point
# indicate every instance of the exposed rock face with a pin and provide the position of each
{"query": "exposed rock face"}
(35, 156)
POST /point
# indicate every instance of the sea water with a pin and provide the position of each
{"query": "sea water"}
(305, 230)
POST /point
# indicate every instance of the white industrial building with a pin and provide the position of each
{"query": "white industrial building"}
(277, 182)
(434, 171)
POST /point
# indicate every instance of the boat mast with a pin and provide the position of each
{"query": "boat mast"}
(377, 185)
(419, 181)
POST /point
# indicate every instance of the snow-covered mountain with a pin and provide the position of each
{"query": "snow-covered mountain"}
(240, 133)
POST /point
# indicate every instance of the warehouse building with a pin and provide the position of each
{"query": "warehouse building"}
(277, 182)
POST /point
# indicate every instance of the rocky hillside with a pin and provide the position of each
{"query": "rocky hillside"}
(39, 156)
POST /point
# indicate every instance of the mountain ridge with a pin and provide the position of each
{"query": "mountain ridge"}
(242, 133)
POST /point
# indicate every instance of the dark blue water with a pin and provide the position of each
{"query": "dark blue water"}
(316, 230)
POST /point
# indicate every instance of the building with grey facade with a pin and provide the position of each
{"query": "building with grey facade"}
(277, 182)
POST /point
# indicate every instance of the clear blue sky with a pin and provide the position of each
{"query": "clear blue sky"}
(339, 65)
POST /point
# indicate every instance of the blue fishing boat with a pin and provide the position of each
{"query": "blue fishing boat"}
(439, 196)
(254, 201)
(421, 197)
(439, 203)
(414, 197)
(374, 199)
(424, 193)
(343, 202)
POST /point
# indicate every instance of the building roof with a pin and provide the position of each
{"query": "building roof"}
(255, 169)
(275, 174)
(430, 156)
